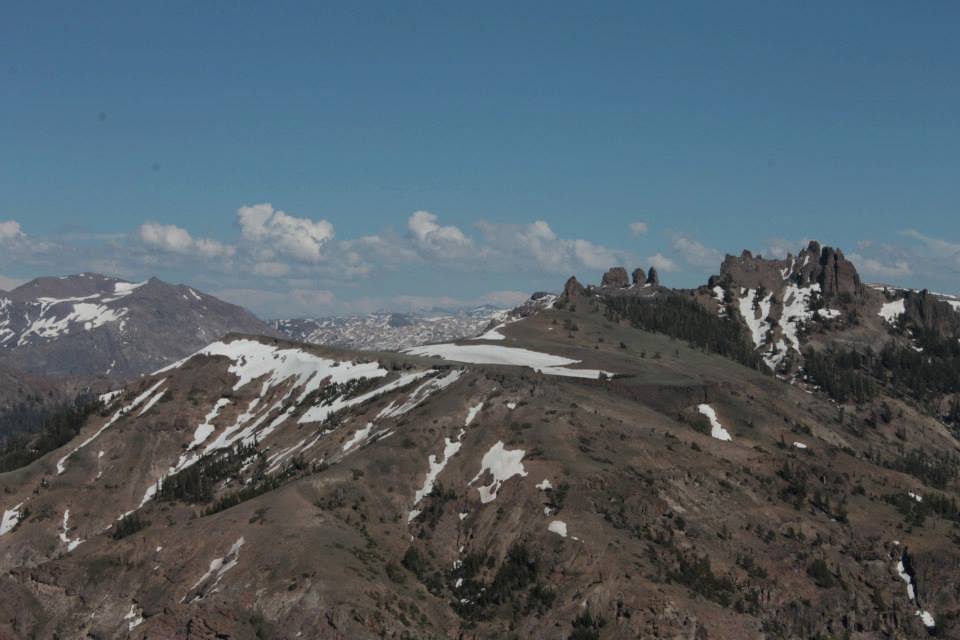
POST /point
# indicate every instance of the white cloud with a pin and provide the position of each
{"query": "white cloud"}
(430, 236)
(271, 269)
(941, 248)
(536, 246)
(638, 228)
(696, 253)
(663, 263)
(174, 239)
(10, 230)
(899, 268)
(272, 233)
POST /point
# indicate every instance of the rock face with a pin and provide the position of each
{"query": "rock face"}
(639, 277)
(653, 278)
(91, 324)
(615, 277)
(825, 266)
(573, 288)
(837, 274)
(922, 309)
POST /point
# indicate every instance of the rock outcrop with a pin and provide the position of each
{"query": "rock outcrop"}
(825, 266)
(573, 288)
(653, 278)
(615, 277)
(923, 309)
(639, 277)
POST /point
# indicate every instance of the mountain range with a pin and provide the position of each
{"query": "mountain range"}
(774, 454)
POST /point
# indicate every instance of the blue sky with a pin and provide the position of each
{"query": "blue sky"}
(278, 154)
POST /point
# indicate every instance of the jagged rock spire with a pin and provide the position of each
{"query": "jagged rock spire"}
(573, 288)
(653, 278)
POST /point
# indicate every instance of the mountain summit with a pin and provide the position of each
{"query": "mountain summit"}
(90, 324)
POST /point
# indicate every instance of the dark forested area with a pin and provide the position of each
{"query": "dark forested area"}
(685, 319)
(38, 427)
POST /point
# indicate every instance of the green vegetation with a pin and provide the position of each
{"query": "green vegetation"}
(128, 525)
(851, 375)
(936, 469)
(40, 428)
(697, 575)
(587, 627)
(260, 484)
(840, 372)
(820, 572)
(685, 319)
(196, 483)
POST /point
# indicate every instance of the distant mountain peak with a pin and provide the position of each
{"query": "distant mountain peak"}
(90, 323)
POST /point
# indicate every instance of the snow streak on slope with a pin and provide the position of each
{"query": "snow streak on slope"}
(218, 567)
(65, 534)
(514, 356)
(450, 448)
(421, 393)
(62, 463)
(302, 373)
(749, 306)
(322, 412)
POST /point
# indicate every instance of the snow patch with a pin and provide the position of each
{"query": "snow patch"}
(11, 517)
(716, 429)
(891, 311)
(512, 356)
(502, 465)
(558, 527)
(134, 617)
(472, 413)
